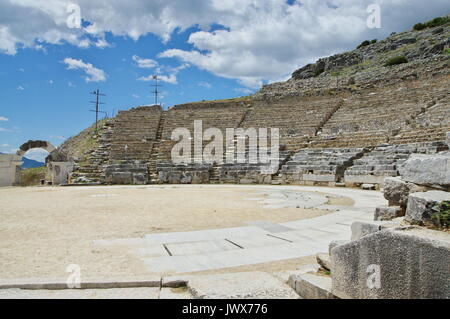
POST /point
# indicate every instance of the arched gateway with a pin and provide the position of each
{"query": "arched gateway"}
(35, 144)
(10, 165)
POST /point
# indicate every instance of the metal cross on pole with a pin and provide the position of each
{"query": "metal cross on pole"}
(97, 104)
(156, 86)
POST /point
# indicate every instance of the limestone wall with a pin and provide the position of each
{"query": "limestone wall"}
(10, 169)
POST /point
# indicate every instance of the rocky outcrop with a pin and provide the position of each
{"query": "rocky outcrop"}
(396, 191)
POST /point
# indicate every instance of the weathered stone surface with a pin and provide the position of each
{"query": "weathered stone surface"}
(368, 187)
(396, 191)
(310, 286)
(361, 229)
(383, 213)
(422, 206)
(448, 138)
(248, 285)
(324, 261)
(336, 243)
(393, 264)
(427, 169)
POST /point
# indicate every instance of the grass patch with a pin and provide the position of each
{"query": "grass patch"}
(396, 60)
(442, 216)
(32, 176)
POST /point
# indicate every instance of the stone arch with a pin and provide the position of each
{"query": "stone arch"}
(35, 144)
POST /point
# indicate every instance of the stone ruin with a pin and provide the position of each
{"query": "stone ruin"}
(343, 139)
(394, 257)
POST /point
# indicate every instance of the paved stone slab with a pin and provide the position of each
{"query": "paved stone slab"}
(203, 235)
(256, 241)
(124, 293)
(248, 285)
(270, 227)
(199, 247)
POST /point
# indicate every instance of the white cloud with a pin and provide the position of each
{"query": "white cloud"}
(262, 40)
(4, 119)
(2, 129)
(93, 74)
(20, 88)
(136, 96)
(70, 84)
(245, 91)
(205, 85)
(4, 145)
(144, 63)
(37, 154)
(50, 82)
(165, 73)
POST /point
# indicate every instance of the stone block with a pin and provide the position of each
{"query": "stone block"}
(310, 286)
(403, 263)
(361, 229)
(324, 261)
(396, 191)
(336, 243)
(383, 213)
(368, 187)
(422, 206)
(429, 170)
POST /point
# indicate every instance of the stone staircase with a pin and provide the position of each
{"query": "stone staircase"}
(92, 170)
(152, 171)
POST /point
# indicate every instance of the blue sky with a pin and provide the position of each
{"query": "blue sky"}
(202, 49)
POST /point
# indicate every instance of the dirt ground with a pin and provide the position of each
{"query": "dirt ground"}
(43, 230)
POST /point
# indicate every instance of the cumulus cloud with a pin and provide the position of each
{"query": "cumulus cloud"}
(144, 63)
(165, 73)
(92, 73)
(4, 119)
(261, 40)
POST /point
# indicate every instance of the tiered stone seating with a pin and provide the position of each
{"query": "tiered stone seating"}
(184, 174)
(248, 173)
(295, 116)
(374, 111)
(350, 140)
(320, 166)
(135, 133)
(221, 115)
(384, 161)
(431, 125)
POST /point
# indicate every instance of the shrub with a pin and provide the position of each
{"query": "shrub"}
(442, 215)
(373, 41)
(436, 22)
(319, 70)
(396, 60)
(446, 51)
(419, 26)
(363, 44)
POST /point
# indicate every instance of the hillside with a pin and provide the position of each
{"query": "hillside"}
(29, 163)
(418, 52)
